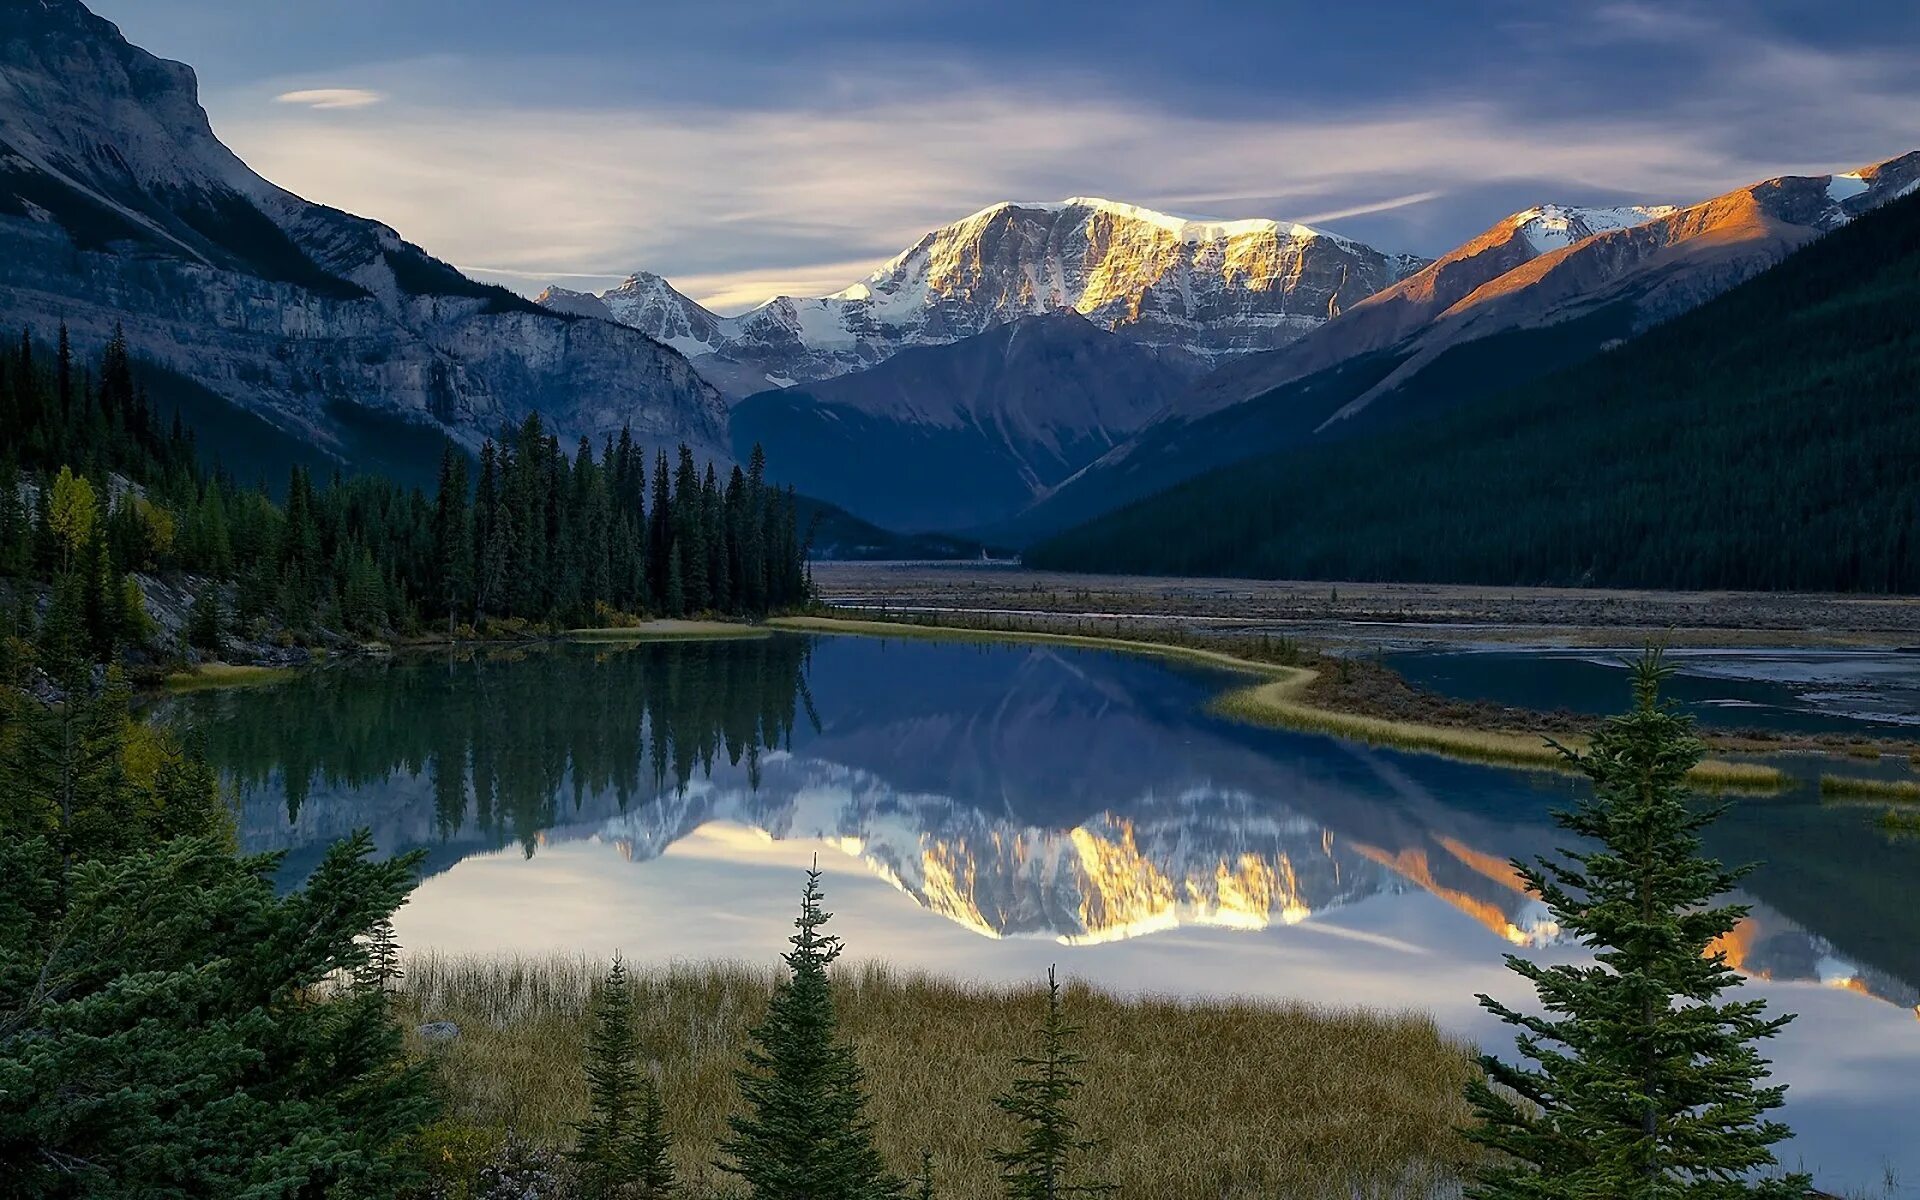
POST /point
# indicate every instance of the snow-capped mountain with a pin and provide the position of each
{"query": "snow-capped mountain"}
(1549, 265)
(1539, 290)
(118, 205)
(1214, 289)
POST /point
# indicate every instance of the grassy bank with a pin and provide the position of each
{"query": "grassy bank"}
(225, 675)
(1847, 787)
(1300, 698)
(1228, 1099)
(1205, 655)
(1278, 703)
(665, 630)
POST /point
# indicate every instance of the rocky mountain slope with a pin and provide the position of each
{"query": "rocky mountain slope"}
(119, 206)
(1212, 289)
(1538, 291)
(954, 436)
(1763, 441)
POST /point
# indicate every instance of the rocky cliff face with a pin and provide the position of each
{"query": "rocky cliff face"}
(1211, 289)
(119, 206)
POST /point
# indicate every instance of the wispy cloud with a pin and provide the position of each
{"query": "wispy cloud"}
(1376, 206)
(741, 199)
(330, 97)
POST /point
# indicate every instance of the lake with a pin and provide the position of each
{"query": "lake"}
(985, 810)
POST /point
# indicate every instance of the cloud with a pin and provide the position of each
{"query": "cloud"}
(1374, 206)
(741, 200)
(331, 97)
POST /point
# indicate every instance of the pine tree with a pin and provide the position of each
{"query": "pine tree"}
(453, 536)
(805, 1135)
(653, 1174)
(1643, 1084)
(1039, 1165)
(203, 621)
(382, 969)
(622, 1147)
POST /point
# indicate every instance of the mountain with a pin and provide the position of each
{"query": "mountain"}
(119, 206)
(1765, 440)
(1539, 291)
(1211, 289)
(953, 436)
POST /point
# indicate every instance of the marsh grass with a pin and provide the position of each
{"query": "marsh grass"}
(225, 675)
(1900, 820)
(1276, 703)
(1848, 787)
(668, 630)
(1219, 1099)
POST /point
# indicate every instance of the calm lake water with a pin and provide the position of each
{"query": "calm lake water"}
(985, 810)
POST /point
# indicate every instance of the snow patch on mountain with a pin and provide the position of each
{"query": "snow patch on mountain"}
(1551, 227)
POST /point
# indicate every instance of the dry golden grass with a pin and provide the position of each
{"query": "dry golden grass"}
(1226, 1100)
(1276, 704)
(668, 630)
(1847, 787)
(223, 675)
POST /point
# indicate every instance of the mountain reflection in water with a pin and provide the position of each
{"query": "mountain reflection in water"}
(1017, 791)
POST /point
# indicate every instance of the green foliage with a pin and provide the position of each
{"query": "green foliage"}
(1764, 441)
(622, 1148)
(164, 1027)
(1039, 1165)
(543, 536)
(381, 971)
(203, 621)
(804, 1134)
(1642, 1083)
(170, 1023)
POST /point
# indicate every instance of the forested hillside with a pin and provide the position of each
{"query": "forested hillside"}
(1767, 440)
(96, 489)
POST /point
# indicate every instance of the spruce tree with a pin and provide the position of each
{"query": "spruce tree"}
(1039, 1165)
(1643, 1084)
(621, 1149)
(804, 1134)
(382, 969)
(203, 620)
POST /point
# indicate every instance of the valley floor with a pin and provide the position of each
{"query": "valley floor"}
(1381, 613)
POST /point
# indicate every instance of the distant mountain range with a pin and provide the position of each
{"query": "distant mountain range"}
(1211, 289)
(1018, 372)
(1765, 440)
(119, 207)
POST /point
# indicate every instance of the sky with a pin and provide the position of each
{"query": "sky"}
(747, 148)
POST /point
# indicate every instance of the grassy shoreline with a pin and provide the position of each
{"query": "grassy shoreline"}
(208, 676)
(1279, 702)
(1287, 1099)
(1847, 787)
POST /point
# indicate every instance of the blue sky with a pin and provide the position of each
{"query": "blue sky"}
(752, 147)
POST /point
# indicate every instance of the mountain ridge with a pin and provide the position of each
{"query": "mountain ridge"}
(1209, 287)
(1496, 311)
(120, 208)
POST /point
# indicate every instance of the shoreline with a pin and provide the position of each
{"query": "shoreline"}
(1277, 703)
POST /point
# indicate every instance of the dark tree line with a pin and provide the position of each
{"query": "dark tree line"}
(1764, 441)
(93, 490)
